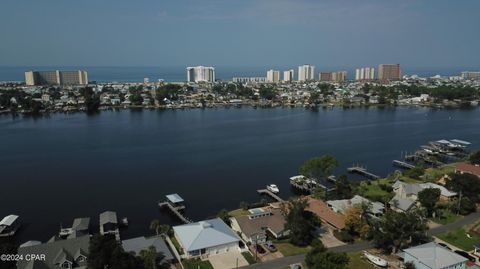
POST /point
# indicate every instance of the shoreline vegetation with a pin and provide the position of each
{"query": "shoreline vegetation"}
(17, 98)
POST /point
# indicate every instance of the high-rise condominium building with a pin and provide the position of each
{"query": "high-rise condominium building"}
(365, 73)
(389, 72)
(200, 74)
(325, 76)
(273, 76)
(333, 76)
(56, 77)
(470, 75)
(306, 72)
(339, 76)
(288, 75)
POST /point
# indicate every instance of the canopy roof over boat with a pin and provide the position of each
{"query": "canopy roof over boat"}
(462, 142)
(175, 198)
(8, 220)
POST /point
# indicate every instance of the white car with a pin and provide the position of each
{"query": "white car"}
(273, 188)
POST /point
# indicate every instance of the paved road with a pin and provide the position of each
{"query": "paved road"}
(285, 261)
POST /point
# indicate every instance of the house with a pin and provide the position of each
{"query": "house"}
(406, 190)
(406, 194)
(325, 213)
(253, 228)
(342, 206)
(463, 168)
(65, 254)
(206, 238)
(138, 244)
(445, 194)
(433, 256)
(109, 224)
(402, 204)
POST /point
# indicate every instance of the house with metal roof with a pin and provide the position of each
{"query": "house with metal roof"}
(206, 238)
(341, 206)
(254, 227)
(433, 256)
(68, 253)
(138, 244)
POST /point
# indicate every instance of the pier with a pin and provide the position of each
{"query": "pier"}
(175, 204)
(271, 194)
(362, 171)
(403, 164)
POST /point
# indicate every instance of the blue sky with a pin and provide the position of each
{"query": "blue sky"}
(334, 33)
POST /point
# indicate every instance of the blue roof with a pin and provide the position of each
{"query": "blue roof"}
(205, 234)
(175, 198)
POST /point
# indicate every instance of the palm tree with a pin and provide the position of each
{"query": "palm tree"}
(156, 226)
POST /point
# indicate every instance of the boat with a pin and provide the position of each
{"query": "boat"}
(375, 259)
(125, 222)
(273, 188)
(9, 225)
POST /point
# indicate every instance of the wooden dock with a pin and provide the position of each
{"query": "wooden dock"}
(362, 171)
(403, 164)
(175, 209)
(271, 194)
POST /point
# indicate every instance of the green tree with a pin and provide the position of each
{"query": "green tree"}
(409, 265)
(398, 230)
(474, 158)
(300, 222)
(428, 199)
(466, 184)
(319, 167)
(152, 259)
(320, 258)
(466, 206)
(343, 188)
(415, 172)
(106, 252)
(224, 215)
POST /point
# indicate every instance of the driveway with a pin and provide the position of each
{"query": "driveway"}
(227, 260)
(328, 239)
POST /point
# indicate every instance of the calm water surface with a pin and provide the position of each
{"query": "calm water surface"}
(63, 166)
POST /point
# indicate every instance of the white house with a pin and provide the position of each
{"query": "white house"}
(206, 238)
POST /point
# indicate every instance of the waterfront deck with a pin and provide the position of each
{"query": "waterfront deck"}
(362, 171)
(271, 194)
(403, 164)
(175, 209)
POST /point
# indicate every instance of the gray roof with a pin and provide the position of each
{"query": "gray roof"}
(108, 217)
(435, 256)
(140, 243)
(30, 243)
(8, 220)
(409, 188)
(274, 221)
(343, 205)
(175, 198)
(403, 204)
(205, 234)
(57, 251)
(81, 224)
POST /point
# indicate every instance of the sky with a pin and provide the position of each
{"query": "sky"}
(331, 33)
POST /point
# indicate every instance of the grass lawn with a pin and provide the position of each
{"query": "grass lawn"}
(249, 257)
(449, 218)
(176, 244)
(434, 174)
(357, 261)
(288, 249)
(374, 192)
(459, 239)
(197, 264)
(238, 212)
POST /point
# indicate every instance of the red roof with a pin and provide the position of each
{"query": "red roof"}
(468, 168)
(321, 209)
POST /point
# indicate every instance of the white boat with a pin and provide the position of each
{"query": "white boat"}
(273, 188)
(375, 259)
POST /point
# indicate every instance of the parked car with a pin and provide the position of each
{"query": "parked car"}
(445, 246)
(260, 249)
(270, 246)
(296, 266)
(466, 255)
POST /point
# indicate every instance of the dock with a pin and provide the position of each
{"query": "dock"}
(362, 171)
(175, 204)
(403, 164)
(271, 194)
